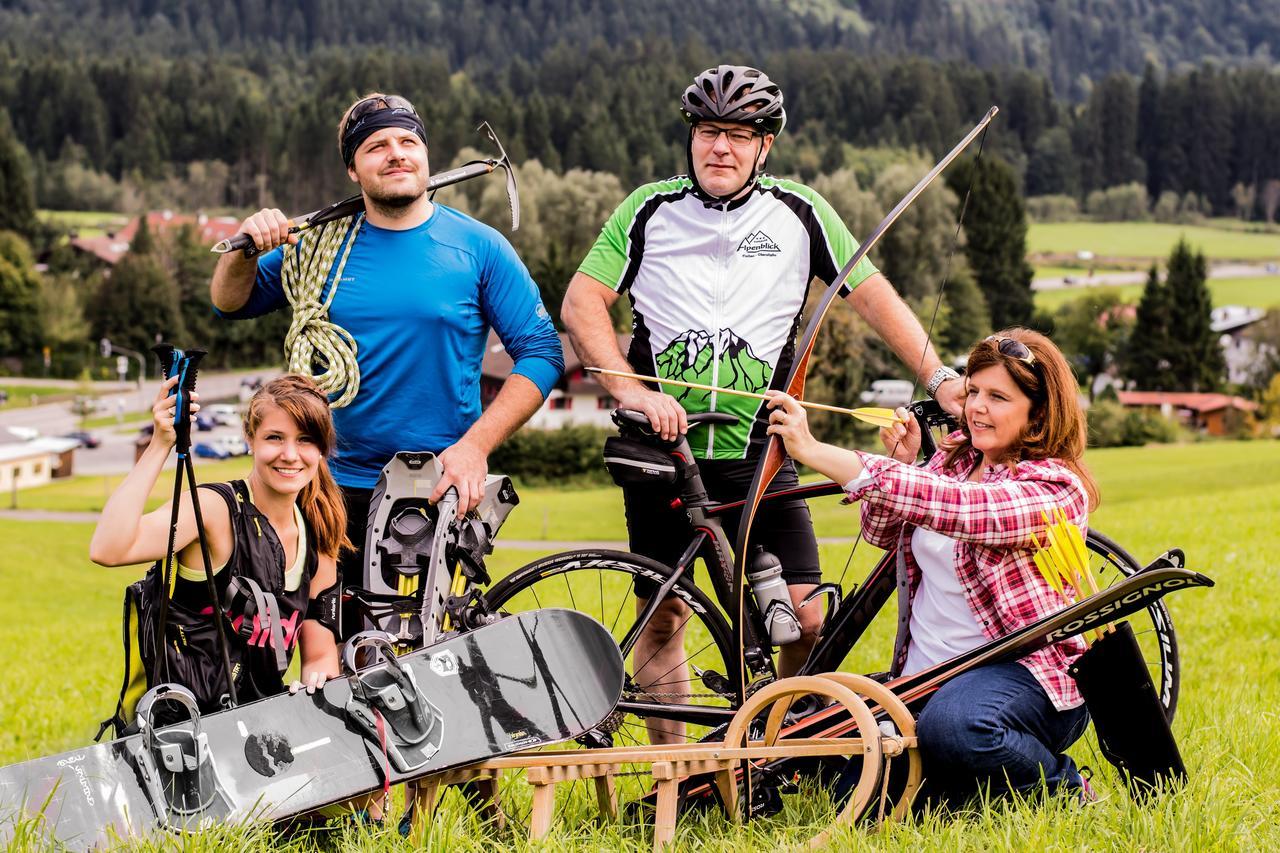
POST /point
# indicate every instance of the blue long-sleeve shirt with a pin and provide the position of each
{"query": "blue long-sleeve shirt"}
(419, 304)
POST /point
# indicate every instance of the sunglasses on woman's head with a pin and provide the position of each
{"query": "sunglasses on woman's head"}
(1014, 349)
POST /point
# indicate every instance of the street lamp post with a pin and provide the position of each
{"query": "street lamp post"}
(108, 349)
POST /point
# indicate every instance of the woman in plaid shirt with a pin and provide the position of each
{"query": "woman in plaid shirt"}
(962, 527)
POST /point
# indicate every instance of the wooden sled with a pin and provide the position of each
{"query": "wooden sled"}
(670, 764)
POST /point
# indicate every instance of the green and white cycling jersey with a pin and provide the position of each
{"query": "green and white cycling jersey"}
(717, 291)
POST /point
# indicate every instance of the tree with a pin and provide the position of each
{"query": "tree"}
(1092, 331)
(1196, 355)
(1174, 347)
(1265, 337)
(142, 243)
(1108, 134)
(1269, 407)
(996, 238)
(1147, 360)
(17, 196)
(137, 303)
(913, 253)
(968, 320)
(20, 334)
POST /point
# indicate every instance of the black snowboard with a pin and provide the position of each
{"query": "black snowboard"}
(525, 681)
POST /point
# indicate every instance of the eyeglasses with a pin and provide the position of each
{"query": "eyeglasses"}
(364, 108)
(1014, 349)
(738, 137)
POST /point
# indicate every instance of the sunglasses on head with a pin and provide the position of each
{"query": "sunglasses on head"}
(1014, 349)
(375, 104)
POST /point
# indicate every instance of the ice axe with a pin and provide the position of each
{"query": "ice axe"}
(355, 204)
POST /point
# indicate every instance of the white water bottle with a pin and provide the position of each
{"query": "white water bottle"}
(773, 598)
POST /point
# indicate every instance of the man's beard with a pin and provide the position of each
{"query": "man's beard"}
(394, 203)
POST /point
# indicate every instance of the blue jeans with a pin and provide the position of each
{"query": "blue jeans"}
(995, 726)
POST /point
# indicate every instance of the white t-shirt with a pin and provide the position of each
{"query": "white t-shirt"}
(942, 625)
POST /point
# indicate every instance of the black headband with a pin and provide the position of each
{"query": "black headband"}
(370, 123)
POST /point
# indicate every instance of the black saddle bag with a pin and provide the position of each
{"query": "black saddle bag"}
(631, 463)
(1128, 716)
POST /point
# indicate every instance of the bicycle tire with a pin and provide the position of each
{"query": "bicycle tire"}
(1158, 640)
(705, 628)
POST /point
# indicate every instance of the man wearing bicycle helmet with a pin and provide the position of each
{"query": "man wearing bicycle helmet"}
(717, 264)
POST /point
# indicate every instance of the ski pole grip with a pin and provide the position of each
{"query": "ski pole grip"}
(177, 362)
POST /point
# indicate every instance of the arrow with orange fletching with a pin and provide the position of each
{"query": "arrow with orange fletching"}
(872, 415)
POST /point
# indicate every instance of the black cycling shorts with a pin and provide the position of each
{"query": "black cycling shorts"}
(784, 528)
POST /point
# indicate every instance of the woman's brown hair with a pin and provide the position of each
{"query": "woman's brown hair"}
(1056, 427)
(321, 500)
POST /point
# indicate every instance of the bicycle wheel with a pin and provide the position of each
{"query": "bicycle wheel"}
(1153, 626)
(692, 679)
(602, 585)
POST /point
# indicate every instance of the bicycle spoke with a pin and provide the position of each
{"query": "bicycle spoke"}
(678, 632)
(622, 603)
(572, 601)
(680, 664)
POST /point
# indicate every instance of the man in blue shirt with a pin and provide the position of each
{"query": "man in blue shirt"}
(420, 285)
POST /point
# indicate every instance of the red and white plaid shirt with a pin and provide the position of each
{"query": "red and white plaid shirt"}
(993, 522)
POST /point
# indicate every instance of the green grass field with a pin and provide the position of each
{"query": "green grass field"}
(1218, 501)
(86, 223)
(21, 396)
(1261, 292)
(1149, 240)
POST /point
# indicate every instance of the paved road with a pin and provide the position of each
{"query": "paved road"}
(115, 455)
(1138, 277)
(514, 544)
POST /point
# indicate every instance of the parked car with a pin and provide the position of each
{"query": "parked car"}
(233, 445)
(86, 439)
(888, 393)
(224, 414)
(205, 450)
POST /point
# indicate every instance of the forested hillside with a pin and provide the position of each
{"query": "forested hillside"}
(213, 104)
(1071, 41)
(1125, 109)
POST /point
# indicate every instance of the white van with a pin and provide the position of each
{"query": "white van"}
(232, 443)
(888, 393)
(223, 414)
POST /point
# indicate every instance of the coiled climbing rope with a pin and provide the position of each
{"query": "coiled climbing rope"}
(313, 346)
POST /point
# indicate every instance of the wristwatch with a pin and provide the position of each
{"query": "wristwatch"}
(942, 374)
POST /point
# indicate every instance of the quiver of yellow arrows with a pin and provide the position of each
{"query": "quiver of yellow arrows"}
(1063, 558)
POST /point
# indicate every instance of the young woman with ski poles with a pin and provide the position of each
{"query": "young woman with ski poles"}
(964, 527)
(273, 540)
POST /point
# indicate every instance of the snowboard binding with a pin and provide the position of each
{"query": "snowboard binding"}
(175, 765)
(388, 707)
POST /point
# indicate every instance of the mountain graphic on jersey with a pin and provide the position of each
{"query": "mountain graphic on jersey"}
(690, 357)
(758, 244)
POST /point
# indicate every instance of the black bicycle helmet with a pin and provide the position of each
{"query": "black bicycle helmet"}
(736, 93)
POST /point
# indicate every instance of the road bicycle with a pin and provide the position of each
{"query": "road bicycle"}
(698, 693)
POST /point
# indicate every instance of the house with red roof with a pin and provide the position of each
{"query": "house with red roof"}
(111, 247)
(1208, 413)
(576, 399)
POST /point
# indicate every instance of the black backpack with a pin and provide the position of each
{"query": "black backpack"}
(262, 621)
